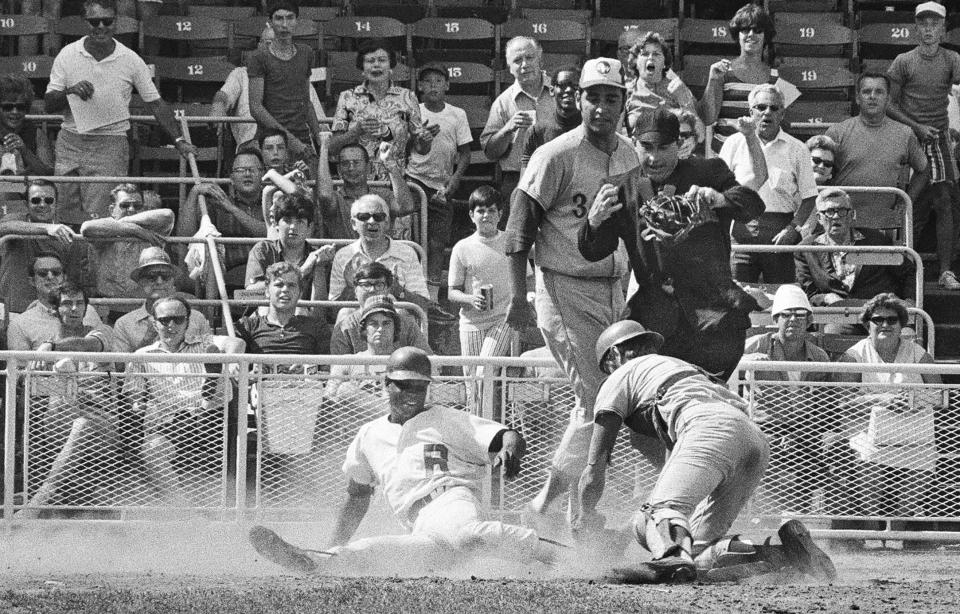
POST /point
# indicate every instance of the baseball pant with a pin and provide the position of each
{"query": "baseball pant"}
(717, 463)
(448, 528)
(571, 314)
(87, 155)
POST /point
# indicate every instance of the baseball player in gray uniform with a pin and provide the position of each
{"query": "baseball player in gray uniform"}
(717, 459)
(575, 299)
(430, 462)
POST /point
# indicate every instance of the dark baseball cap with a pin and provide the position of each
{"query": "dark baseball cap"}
(660, 121)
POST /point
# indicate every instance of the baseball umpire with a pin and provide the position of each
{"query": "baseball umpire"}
(674, 217)
(430, 462)
(576, 298)
(717, 459)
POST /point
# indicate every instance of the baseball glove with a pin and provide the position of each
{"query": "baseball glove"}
(670, 218)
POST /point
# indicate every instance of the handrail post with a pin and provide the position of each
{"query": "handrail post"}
(9, 440)
(214, 260)
(243, 401)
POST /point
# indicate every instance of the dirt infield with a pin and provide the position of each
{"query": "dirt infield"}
(210, 568)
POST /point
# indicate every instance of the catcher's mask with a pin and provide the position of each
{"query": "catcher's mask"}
(670, 217)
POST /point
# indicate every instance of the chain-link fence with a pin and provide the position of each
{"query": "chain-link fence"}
(268, 438)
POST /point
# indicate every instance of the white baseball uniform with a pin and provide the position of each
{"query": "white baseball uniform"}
(430, 469)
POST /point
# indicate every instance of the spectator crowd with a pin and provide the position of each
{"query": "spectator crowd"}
(610, 202)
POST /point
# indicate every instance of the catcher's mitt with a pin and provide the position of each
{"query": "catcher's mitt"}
(670, 218)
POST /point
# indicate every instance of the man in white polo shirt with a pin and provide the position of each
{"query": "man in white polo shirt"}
(91, 82)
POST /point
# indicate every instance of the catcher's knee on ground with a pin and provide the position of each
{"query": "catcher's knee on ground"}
(664, 532)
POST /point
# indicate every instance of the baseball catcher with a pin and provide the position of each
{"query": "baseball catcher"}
(717, 457)
(430, 462)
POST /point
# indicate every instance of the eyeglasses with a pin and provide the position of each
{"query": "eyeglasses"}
(409, 385)
(885, 320)
(96, 22)
(820, 161)
(246, 170)
(798, 314)
(838, 212)
(56, 272)
(762, 108)
(351, 163)
(377, 217)
(130, 204)
(687, 135)
(371, 285)
(23, 107)
(36, 200)
(168, 320)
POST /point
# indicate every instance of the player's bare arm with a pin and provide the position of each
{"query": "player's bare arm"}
(592, 480)
(525, 217)
(352, 512)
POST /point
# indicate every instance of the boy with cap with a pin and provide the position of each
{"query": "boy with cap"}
(430, 462)
(920, 83)
(686, 290)
(439, 171)
(576, 298)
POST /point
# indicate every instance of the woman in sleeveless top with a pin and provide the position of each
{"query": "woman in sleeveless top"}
(730, 81)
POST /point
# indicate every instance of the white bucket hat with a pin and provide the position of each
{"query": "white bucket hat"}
(788, 297)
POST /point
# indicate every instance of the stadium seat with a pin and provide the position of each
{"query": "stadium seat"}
(701, 43)
(494, 12)
(606, 31)
(812, 34)
(885, 40)
(636, 9)
(405, 11)
(30, 66)
(24, 31)
(820, 82)
(818, 112)
(197, 60)
(353, 28)
(453, 40)
(554, 35)
(537, 14)
(801, 6)
(228, 13)
(471, 78)
(187, 30)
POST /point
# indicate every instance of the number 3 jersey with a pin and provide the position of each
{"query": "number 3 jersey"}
(438, 448)
(564, 176)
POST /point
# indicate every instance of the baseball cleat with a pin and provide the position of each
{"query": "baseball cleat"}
(273, 548)
(803, 554)
(669, 570)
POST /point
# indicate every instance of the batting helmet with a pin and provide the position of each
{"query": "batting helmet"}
(409, 363)
(621, 331)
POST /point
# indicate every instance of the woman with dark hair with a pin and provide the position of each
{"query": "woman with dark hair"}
(731, 81)
(378, 111)
(29, 149)
(654, 87)
(823, 155)
(892, 414)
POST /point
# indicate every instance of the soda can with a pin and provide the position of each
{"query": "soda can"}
(486, 291)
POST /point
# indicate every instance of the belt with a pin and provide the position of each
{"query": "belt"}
(422, 502)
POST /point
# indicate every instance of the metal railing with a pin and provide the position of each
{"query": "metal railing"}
(308, 410)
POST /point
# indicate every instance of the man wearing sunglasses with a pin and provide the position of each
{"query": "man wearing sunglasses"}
(430, 462)
(181, 410)
(564, 86)
(155, 275)
(788, 193)
(40, 321)
(138, 226)
(372, 221)
(39, 221)
(91, 82)
(828, 278)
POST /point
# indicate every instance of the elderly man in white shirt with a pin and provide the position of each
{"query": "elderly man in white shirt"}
(789, 192)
